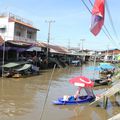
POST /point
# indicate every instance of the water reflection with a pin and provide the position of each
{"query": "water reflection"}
(23, 98)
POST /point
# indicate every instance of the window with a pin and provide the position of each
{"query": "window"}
(29, 34)
(2, 28)
(18, 33)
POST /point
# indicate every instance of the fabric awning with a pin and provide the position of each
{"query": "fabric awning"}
(24, 67)
(37, 49)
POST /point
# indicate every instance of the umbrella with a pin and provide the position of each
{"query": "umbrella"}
(81, 81)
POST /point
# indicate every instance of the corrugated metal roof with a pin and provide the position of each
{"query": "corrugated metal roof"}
(40, 44)
(56, 48)
(25, 43)
(19, 43)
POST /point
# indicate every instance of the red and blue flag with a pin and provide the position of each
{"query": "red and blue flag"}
(97, 16)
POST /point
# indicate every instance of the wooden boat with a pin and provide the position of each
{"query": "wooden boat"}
(26, 70)
(71, 101)
(99, 82)
(17, 70)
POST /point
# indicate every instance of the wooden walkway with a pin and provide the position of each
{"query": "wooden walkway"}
(116, 117)
(111, 91)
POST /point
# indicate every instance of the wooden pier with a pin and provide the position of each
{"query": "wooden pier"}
(116, 117)
(111, 91)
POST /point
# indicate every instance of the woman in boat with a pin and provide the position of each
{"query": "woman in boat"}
(77, 93)
(88, 90)
(74, 97)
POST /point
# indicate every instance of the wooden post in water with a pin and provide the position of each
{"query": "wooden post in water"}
(105, 102)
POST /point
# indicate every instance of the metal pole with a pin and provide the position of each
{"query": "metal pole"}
(48, 40)
(82, 48)
(107, 53)
(48, 90)
(94, 64)
(68, 44)
(3, 60)
(82, 43)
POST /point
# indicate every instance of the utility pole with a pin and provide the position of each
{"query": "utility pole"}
(107, 52)
(48, 40)
(82, 40)
(3, 59)
(79, 46)
(68, 44)
(83, 57)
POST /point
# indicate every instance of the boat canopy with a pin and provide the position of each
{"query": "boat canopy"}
(10, 65)
(24, 67)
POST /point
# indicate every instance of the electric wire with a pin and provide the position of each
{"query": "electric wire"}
(86, 6)
(111, 21)
(91, 3)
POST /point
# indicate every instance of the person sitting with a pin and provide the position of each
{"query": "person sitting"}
(103, 81)
(107, 80)
(74, 97)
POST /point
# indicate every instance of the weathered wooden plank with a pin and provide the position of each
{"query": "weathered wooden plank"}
(116, 117)
(111, 91)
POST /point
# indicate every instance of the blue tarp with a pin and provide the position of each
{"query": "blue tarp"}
(97, 68)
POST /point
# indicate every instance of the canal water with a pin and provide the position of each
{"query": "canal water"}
(25, 98)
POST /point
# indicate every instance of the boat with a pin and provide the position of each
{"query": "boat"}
(99, 82)
(17, 70)
(9, 68)
(26, 70)
(71, 101)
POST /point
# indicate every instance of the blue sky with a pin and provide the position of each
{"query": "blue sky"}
(72, 21)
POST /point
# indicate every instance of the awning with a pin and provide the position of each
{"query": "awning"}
(24, 67)
(15, 43)
(37, 49)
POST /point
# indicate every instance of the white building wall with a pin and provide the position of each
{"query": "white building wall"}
(10, 30)
(8, 34)
(3, 22)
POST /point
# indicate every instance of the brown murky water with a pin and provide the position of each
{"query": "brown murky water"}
(24, 98)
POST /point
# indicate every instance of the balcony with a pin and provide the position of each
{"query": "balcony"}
(20, 19)
(24, 39)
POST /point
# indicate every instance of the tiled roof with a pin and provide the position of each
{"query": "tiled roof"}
(40, 44)
(56, 48)
(18, 42)
(53, 48)
(26, 43)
